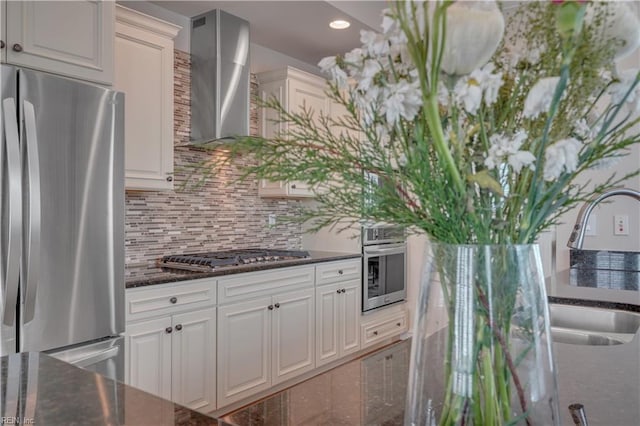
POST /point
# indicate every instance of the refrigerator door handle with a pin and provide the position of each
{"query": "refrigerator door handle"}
(31, 261)
(94, 357)
(14, 210)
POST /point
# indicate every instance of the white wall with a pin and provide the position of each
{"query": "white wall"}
(604, 238)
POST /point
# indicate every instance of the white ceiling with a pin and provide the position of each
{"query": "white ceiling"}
(296, 28)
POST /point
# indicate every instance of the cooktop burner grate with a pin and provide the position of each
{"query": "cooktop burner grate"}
(228, 258)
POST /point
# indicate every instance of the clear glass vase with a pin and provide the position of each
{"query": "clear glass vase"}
(481, 351)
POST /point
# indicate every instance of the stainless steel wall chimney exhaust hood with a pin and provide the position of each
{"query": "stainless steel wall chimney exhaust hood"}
(219, 77)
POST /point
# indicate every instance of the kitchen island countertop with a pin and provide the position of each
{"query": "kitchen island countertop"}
(145, 275)
(41, 390)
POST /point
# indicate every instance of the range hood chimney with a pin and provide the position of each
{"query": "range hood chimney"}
(219, 77)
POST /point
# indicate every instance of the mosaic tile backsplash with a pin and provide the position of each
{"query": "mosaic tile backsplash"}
(217, 215)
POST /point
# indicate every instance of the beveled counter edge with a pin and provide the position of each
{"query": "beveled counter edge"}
(604, 304)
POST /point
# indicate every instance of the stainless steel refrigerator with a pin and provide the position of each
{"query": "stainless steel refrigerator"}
(62, 223)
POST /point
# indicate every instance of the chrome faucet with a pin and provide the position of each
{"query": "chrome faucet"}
(576, 240)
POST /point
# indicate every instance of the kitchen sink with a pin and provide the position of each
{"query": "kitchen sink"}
(582, 325)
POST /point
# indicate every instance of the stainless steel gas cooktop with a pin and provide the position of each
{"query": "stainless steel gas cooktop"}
(211, 261)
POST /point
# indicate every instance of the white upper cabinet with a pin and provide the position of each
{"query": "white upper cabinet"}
(144, 72)
(294, 89)
(70, 38)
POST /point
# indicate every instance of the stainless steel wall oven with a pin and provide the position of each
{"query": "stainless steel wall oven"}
(384, 264)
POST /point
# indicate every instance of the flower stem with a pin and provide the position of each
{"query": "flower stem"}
(507, 355)
(440, 142)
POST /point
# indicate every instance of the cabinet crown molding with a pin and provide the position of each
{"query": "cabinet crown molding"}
(294, 73)
(134, 18)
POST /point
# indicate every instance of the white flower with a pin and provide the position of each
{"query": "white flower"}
(443, 94)
(539, 98)
(468, 94)
(474, 31)
(619, 89)
(504, 149)
(480, 84)
(376, 44)
(327, 63)
(561, 157)
(585, 131)
(403, 99)
(369, 71)
(354, 57)
(329, 66)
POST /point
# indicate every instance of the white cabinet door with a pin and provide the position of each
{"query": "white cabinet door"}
(244, 333)
(304, 96)
(350, 317)
(144, 72)
(293, 89)
(194, 359)
(293, 334)
(148, 356)
(337, 320)
(72, 38)
(327, 323)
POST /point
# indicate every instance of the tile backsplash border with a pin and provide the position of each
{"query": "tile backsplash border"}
(218, 214)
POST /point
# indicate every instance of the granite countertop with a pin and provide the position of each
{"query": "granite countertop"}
(573, 287)
(42, 390)
(140, 276)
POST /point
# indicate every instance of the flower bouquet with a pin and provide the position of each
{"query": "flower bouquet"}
(478, 128)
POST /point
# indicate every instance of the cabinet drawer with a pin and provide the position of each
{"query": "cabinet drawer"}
(241, 287)
(169, 298)
(392, 325)
(327, 273)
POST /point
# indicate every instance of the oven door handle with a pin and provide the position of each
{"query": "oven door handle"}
(382, 251)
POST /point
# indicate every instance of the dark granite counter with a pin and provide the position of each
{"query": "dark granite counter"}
(40, 390)
(149, 275)
(574, 287)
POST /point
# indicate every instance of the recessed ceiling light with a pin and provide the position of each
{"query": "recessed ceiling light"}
(339, 24)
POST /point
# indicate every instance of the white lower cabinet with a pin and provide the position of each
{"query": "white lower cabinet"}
(264, 342)
(172, 353)
(148, 348)
(337, 321)
(383, 324)
(271, 326)
(338, 309)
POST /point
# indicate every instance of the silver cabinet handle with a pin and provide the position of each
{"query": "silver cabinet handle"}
(31, 231)
(173, 300)
(390, 250)
(270, 307)
(14, 208)
(178, 327)
(168, 330)
(17, 47)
